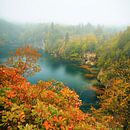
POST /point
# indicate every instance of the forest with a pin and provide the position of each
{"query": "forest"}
(102, 52)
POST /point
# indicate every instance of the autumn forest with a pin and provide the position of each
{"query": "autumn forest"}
(60, 76)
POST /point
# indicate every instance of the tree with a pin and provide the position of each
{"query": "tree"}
(25, 60)
(66, 38)
(115, 102)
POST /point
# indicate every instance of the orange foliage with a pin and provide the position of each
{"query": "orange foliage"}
(25, 60)
(46, 105)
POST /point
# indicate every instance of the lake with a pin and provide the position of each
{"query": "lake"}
(68, 73)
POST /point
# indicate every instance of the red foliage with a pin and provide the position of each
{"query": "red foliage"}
(25, 60)
(47, 105)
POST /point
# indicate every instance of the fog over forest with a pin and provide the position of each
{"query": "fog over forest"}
(64, 64)
(105, 12)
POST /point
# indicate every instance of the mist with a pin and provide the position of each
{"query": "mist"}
(105, 12)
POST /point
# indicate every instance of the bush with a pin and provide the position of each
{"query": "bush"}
(45, 105)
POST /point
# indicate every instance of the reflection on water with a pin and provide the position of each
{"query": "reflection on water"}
(70, 74)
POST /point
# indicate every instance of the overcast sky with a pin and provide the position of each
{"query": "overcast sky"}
(107, 12)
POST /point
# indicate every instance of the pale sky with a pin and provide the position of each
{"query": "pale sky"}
(107, 12)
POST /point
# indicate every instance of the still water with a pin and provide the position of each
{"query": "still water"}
(68, 73)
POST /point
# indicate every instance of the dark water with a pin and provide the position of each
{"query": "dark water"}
(68, 73)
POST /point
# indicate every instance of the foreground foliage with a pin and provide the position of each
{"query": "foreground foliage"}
(45, 105)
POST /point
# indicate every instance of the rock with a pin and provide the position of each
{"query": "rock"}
(90, 58)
